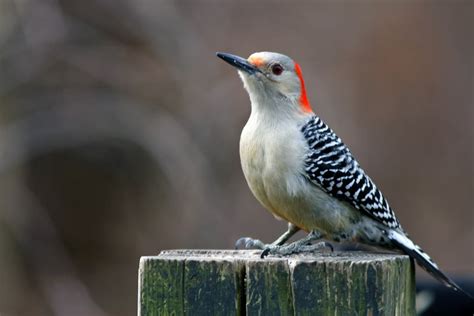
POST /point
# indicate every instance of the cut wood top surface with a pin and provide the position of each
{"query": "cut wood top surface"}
(224, 254)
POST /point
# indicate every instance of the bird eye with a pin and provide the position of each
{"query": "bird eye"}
(277, 69)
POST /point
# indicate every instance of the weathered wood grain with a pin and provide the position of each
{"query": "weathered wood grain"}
(238, 282)
(268, 288)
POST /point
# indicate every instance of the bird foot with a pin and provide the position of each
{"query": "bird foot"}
(293, 248)
(250, 243)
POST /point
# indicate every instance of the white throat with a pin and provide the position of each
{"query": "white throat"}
(271, 105)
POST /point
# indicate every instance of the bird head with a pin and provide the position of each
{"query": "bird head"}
(272, 80)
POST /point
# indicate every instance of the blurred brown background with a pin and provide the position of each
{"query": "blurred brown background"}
(119, 131)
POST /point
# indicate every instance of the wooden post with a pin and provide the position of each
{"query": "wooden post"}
(238, 282)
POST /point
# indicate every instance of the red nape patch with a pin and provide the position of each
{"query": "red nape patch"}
(305, 106)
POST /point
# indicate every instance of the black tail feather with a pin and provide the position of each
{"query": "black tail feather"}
(423, 260)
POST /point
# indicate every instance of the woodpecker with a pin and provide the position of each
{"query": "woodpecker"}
(302, 172)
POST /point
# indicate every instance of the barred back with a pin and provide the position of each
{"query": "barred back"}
(330, 165)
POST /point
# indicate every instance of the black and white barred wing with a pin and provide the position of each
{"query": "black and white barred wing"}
(330, 165)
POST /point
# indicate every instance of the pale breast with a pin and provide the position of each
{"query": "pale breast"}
(273, 164)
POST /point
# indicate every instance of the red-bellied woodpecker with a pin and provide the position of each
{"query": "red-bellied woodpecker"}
(302, 172)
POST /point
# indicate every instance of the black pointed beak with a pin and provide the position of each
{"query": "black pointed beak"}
(238, 62)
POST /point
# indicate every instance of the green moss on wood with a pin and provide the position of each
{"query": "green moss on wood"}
(161, 291)
(187, 282)
(211, 287)
(268, 288)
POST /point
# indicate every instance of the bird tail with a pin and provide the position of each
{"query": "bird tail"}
(404, 243)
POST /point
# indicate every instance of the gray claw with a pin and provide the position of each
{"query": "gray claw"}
(241, 242)
(249, 243)
(294, 248)
(265, 252)
(328, 245)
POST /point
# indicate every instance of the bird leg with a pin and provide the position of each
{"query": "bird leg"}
(250, 243)
(299, 246)
(292, 229)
